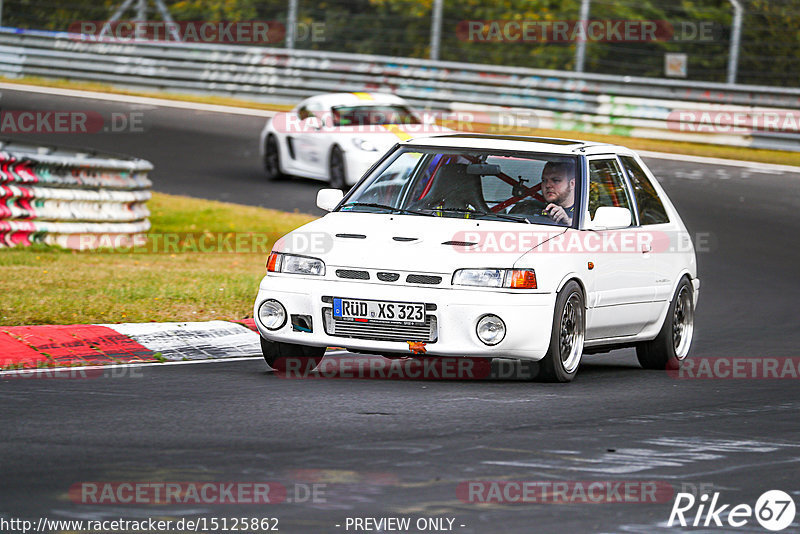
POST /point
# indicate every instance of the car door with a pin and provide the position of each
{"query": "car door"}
(654, 219)
(311, 144)
(622, 302)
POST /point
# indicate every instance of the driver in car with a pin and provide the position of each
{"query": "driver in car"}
(558, 189)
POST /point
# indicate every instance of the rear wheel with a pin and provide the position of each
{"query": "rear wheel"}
(672, 344)
(287, 356)
(566, 338)
(336, 174)
(272, 159)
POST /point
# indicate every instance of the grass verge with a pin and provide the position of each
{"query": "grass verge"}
(49, 285)
(655, 145)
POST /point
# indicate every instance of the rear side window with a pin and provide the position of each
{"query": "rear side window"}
(606, 185)
(651, 209)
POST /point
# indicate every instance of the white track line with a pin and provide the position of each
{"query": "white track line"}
(65, 370)
(719, 161)
(265, 113)
(130, 99)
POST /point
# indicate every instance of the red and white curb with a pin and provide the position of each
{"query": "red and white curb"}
(30, 347)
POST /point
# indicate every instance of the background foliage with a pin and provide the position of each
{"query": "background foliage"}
(770, 45)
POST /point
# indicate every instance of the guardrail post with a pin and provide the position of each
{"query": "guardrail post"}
(436, 28)
(580, 47)
(736, 37)
(291, 23)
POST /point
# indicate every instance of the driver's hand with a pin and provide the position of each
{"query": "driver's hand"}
(557, 213)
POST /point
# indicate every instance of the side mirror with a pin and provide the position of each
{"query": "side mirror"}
(327, 199)
(610, 218)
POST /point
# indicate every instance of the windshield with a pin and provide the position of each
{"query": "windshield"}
(372, 115)
(480, 184)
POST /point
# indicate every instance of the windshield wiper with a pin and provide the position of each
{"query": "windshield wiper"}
(485, 214)
(387, 207)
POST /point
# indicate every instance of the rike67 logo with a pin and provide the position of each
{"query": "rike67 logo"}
(774, 511)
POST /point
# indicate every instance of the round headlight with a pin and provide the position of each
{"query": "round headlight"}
(272, 314)
(491, 329)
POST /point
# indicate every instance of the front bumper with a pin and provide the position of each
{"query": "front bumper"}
(528, 316)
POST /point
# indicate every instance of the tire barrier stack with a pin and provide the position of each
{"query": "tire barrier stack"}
(70, 199)
(736, 115)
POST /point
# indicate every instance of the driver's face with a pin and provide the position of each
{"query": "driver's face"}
(556, 188)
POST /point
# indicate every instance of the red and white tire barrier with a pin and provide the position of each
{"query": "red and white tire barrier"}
(29, 347)
(57, 197)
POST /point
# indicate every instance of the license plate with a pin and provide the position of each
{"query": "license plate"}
(379, 311)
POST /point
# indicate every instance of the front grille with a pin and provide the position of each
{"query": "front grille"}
(388, 277)
(426, 332)
(352, 275)
(423, 279)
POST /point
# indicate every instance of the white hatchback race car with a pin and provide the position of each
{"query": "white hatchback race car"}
(337, 137)
(486, 246)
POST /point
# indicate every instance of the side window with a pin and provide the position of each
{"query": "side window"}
(606, 185)
(651, 209)
(303, 113)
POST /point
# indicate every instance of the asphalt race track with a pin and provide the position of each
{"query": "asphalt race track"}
(400, 448)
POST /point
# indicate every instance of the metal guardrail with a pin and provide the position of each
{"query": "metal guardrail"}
(627, 106)
(71, 199)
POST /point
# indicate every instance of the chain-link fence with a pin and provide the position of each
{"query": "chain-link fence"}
(657, 38)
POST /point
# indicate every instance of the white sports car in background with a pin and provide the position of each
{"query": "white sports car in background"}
(491, 247)
(337, 137)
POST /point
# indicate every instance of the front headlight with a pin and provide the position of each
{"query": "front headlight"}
(479, 277)
(511, 278)
(364, 144)
(294, 264)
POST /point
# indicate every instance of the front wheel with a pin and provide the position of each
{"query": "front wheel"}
(671, 345)
(560, 364)
(336, 169)
(285, 357)
(272, 159)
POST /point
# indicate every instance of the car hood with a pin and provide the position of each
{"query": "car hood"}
(414, 243)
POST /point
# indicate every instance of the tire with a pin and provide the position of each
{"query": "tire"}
(672, 344)
(560, 364)
(272, 159)
(336, 169)
(302, 357)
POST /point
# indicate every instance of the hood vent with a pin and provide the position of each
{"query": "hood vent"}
(352, 236)
(460, 243)
(405, 239)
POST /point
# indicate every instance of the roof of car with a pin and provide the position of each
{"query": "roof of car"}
(516, 142)
(356, 99)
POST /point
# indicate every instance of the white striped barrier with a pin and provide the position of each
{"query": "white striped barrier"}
(60, 197)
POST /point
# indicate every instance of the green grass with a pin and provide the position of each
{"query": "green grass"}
(49, 285)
